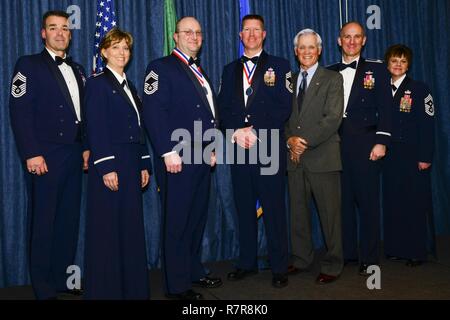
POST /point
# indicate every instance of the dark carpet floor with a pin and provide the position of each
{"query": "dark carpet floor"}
(429, 281)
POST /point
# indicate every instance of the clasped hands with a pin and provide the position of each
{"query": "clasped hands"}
(245, 137)
(297, 146)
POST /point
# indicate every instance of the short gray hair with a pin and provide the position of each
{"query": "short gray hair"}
(306, 32)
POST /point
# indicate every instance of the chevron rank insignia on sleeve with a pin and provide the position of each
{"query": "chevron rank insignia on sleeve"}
(151, 83)
(19, 85)
(289, 84)
(429, 105)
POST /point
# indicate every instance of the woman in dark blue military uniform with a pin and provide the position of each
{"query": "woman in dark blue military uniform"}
(115, 254)
(407, 202)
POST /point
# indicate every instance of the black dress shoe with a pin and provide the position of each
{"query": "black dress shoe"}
(413, 263)
(186, 295)
(207, 282)
(240, 274)
(325, 278)
(279, 280)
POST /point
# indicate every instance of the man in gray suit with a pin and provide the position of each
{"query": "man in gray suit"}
(314, 162)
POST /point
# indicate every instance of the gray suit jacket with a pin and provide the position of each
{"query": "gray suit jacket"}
(318, 121)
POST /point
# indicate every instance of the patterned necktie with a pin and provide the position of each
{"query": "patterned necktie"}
(302, 90)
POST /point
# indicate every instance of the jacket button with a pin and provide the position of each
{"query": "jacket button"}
(362, 100)
(298, 127)
(60, 106)
(61, 134)
(129, 127)
(198, 106)
(77, 122)
(61, 120)
(248, 116)
(212, 121)
(131, 138)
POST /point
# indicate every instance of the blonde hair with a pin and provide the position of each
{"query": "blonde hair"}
(115, 35)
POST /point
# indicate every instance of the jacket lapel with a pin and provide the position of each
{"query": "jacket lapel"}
(258, 77)
(294, 98)
(118, 86)
(238, 83)
(81, 81)
(59, 79)
(357, 82)
(198, 87)
(312, 89)
(401, 90)
(216, 111)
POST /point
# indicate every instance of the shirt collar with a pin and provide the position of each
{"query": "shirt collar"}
(186, 56)
(256, 55)
(118, 76)
(53, 55)
(399, 81)
(357, 61)
(311, 70)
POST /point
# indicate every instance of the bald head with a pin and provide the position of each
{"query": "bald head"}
(188, 36)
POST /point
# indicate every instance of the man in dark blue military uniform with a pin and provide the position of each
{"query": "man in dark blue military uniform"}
(178, 95)
(46, 117)
(256, 94)
(365, 133)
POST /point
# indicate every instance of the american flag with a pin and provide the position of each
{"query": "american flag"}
(106, 20)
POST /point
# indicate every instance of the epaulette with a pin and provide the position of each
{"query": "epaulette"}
(374, 60)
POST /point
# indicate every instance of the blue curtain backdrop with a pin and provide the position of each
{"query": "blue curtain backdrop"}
(421, 24)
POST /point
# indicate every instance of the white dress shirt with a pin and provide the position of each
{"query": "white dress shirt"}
(71, 82)
(310, 72)
(244, 78)
(349, 76)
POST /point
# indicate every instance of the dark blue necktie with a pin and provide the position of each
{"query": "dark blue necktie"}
(302, 90)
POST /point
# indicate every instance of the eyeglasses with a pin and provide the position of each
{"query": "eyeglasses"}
(190, 33)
